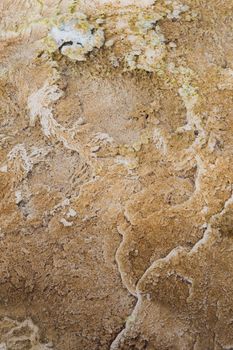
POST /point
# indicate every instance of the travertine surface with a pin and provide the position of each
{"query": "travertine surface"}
(116, 175)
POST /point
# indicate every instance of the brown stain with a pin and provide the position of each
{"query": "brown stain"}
(132, 270)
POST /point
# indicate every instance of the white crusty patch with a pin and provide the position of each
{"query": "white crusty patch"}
(15, 334)
(104, 137)
(177, 9)
(77, 37)
(66, 223)
(148, 47)
(18, 196)
(22, 160)
(19, 153)
(39, 105)
(159, 141)
(71, 213)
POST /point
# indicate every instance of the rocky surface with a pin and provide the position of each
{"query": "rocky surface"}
(116, 175)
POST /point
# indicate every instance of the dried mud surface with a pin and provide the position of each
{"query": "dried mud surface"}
(116, 175)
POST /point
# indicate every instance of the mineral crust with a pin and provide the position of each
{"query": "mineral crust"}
(116, 175)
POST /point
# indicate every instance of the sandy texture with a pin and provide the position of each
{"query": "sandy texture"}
(116, 175)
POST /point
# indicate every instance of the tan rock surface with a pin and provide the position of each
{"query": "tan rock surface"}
(116, 175)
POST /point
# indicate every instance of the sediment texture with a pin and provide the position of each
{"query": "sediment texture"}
(116, 175)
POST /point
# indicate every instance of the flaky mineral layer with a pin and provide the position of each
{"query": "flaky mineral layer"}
(116, 175)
